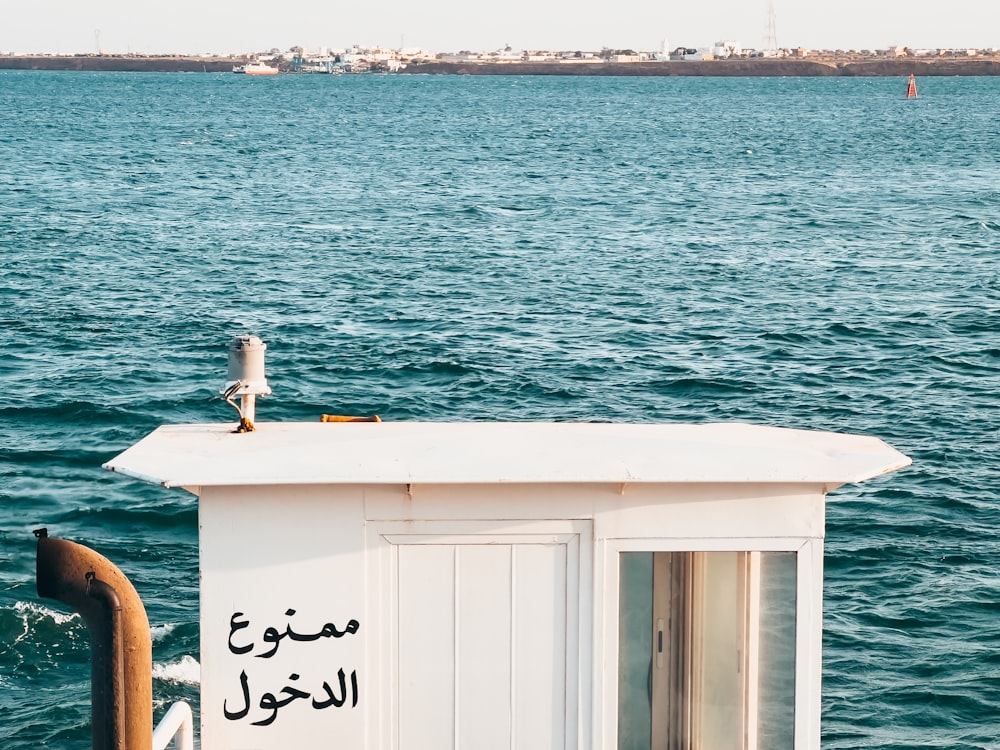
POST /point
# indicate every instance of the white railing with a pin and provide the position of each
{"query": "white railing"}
(177, 724)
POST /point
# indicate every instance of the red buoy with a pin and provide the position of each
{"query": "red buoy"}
(911, 88)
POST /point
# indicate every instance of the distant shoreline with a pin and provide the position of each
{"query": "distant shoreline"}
(723, 68)
(122, 63)
(766, 67)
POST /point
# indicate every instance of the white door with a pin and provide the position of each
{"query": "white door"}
(487, 640)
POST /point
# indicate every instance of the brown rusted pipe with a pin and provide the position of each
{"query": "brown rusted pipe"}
(121, 677)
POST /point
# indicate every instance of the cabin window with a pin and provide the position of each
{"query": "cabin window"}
(706, 657)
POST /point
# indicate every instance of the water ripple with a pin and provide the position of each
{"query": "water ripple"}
(807, 253)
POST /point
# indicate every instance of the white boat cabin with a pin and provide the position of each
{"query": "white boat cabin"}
(423, 586)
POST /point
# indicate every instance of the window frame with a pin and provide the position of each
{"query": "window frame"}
(808, 625)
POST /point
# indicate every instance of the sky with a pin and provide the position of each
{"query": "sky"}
(242, 26)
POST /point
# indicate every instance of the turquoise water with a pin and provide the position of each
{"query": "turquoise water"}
(814, 253)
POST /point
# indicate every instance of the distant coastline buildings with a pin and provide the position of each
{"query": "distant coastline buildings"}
(358, 59)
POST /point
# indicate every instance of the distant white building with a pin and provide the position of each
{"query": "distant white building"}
(727, 48)
(507, 53)
(538, 56)
(691, 54)
(378, 54)
(416, 53)
(663, 53)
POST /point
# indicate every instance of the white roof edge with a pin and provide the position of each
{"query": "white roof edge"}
(195, 456)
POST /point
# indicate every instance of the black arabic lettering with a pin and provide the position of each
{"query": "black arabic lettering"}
(293, 693)
(273, 636)
(332, 700)
(300, 636)
(329, 631)
(235, 626)
(269, 703)
(272, 704)
(236, 715)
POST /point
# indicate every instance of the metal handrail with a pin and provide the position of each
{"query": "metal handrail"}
(177, 724)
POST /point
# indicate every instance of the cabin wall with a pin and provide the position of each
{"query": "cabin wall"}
(265, 552)
(709, 511)
(437, 616)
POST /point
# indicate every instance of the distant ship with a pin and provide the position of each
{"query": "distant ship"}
(256, 68)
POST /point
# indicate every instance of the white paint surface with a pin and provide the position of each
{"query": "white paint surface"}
(195, 456)
(479, 564)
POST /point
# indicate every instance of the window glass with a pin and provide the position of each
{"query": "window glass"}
(706, 654)
(776, 679)
(635, 649)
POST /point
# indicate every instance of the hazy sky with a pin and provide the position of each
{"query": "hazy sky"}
(225, 26)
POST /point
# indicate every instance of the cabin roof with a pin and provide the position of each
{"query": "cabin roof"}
(200, 455)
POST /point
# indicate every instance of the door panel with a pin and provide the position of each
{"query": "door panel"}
(483, 633)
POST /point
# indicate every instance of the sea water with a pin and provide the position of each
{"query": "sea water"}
(812, 253)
